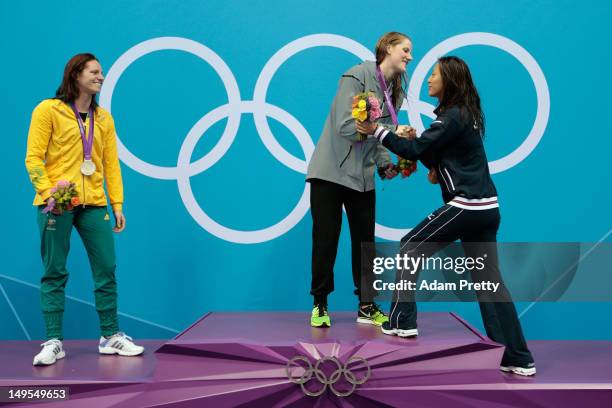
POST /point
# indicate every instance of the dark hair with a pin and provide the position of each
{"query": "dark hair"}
(68, 90)
(400, 82)
(459, 90)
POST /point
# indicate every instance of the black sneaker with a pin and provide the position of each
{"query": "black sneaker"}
(371, 314)
(387, 329)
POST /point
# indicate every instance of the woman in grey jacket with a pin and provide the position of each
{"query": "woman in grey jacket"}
(341, 172)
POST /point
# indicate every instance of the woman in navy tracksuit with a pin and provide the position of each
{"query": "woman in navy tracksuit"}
(453, 150)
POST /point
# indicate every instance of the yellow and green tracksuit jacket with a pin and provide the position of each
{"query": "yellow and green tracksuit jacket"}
(55, 152)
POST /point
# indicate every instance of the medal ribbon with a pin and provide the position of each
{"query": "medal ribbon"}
(87, 143)
(383, 86)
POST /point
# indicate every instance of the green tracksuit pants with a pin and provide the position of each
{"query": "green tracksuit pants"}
(94, 225)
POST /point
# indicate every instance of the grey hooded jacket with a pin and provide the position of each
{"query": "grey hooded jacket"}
(339, 156)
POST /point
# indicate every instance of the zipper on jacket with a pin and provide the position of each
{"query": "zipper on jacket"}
(362, 168)
(347, 155)
(83, 179)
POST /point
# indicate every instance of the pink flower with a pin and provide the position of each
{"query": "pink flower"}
(63, 184)
(375, 111)
(50, 205)
(375, 114)
(373, 101)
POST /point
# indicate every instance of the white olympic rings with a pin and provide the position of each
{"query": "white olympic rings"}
(261, 110)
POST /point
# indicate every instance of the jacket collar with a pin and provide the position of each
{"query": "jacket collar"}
(370, 67)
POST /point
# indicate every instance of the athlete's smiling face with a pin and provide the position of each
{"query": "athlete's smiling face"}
(90, 79)
(400, 55)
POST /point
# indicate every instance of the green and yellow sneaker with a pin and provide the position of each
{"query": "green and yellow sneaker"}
(371, 314)
(320, 317)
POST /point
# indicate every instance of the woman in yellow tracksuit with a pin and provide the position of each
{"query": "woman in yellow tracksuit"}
(60, 147)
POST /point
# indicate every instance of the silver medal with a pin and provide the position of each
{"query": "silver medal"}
(88, 167)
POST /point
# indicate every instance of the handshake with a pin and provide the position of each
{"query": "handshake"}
(368, 128)
(406, 131)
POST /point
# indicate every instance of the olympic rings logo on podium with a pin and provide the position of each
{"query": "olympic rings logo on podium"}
(261, 110)
(328, 381)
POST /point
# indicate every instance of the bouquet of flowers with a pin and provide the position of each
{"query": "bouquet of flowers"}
(405, 167)
(366, 106)
(63, 197)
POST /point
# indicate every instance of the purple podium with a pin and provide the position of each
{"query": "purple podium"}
(277, 359)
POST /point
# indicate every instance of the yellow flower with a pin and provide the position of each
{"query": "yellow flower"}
(359, 111)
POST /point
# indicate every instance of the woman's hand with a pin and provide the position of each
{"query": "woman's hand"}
(390, 171)
(432, 176)
(366, 127)
(119, 221)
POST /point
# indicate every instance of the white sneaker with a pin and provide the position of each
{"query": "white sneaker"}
(51, 352)
(387, 329)
(401, 333)
(121, 344)
(524, 371)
